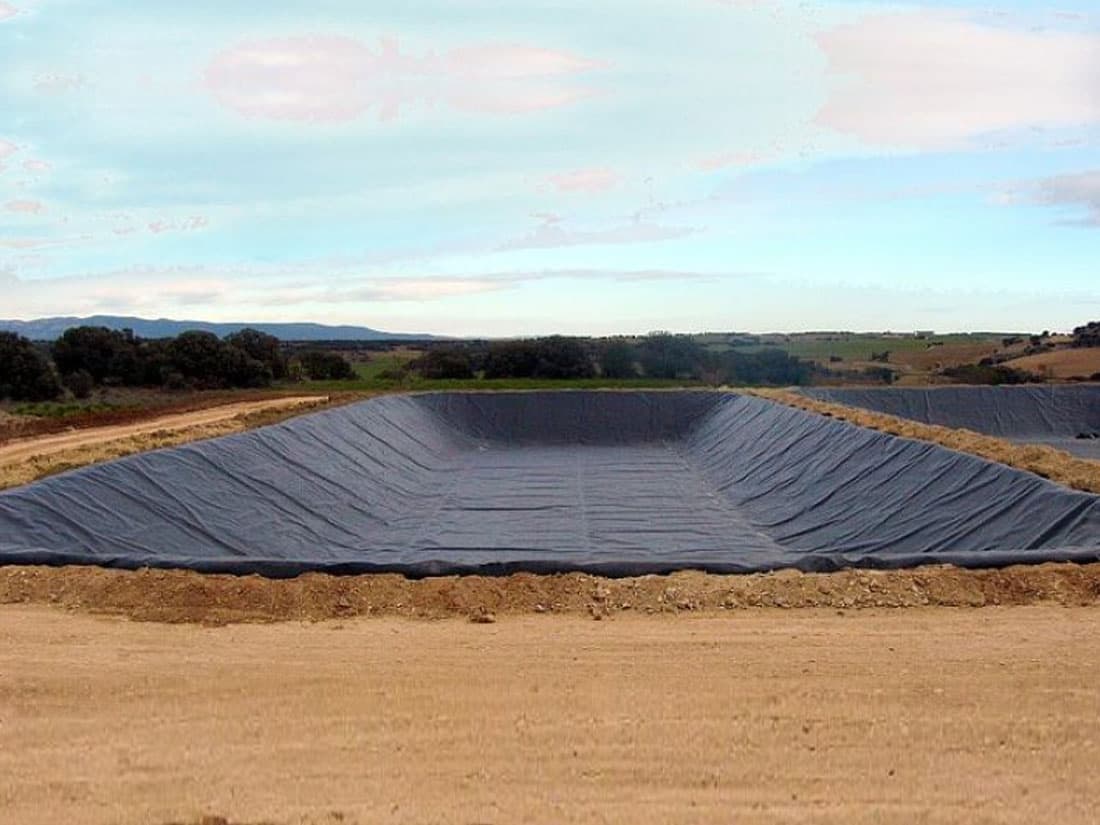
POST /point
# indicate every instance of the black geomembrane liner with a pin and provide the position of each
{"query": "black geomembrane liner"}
(1066, 416)
(618, 483)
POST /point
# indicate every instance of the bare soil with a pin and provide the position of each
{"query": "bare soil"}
(26, 459)
(127, 405)
(929, 715)
(182, 596)
(47, 444)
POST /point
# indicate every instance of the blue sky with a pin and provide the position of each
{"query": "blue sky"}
(494, 168)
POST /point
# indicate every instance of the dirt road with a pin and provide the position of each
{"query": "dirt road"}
(49, 444)
(921, 715)
(25, 460)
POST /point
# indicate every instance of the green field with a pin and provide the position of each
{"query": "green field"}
(372, 369)
(856, 346)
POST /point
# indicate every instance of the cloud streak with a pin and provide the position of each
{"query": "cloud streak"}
(25, 207)
(1080, 190)
(588, 181)
(551, 234)
(327, 78)
(7, 149)
(162, 291)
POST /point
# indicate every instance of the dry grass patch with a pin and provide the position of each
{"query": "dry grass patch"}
(1062, 363)
(945, 355)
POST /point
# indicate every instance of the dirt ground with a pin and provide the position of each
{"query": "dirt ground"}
(47, 444)
(945, 355)
(26, 459)
(1063, 363)
(127, 405)
(182, 596)
(931, 715)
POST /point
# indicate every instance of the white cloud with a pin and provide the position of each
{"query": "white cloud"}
(934, 79)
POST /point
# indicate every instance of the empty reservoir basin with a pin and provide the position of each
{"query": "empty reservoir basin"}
(612, 482)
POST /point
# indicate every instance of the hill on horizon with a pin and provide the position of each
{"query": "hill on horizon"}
(49, 329)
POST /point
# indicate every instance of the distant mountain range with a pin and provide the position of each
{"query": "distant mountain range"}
(49, 329)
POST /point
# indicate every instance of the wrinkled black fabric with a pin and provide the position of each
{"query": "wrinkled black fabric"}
(1066, 416)
(618, 483)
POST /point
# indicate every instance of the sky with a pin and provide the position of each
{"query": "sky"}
(474, 167)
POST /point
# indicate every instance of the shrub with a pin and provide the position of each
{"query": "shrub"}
(1087, 335)
(883, 374)
(553, 357)
(320, 365)
(80, 383)
(442, 363)
(988, 374)
(768, 366)
(511, 359)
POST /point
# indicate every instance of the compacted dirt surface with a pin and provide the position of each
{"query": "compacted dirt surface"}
(23, 460)
(928, 714)
(57, 442)
(183, 596)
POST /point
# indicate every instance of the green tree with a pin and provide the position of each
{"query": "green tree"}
(25, 374)
(320, 365)
(103, 353)
(619, 360)
(261, 347)
(561, 357)
(511, 359)
(664, 355)
(205, 361)
(442, 363)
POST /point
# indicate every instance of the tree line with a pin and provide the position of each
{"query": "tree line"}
(85, 358)
(660, 355)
